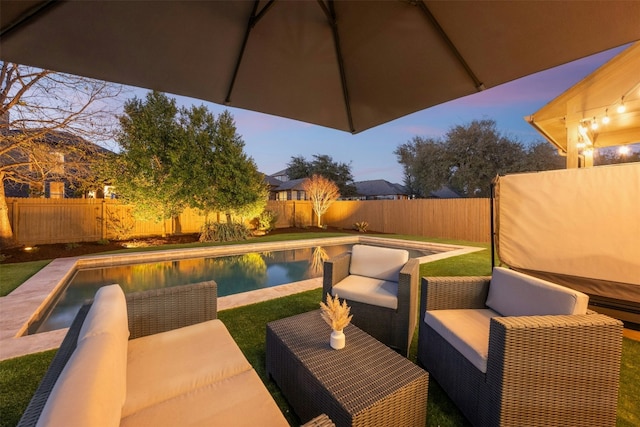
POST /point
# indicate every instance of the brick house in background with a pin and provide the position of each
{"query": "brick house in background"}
(61, 148)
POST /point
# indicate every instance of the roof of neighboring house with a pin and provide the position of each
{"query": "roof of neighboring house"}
(444, 193)
(282, 172)
(57, 138)
(379, 187)
(292, 184)
(271, 181)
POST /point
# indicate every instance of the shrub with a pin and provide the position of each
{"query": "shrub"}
(120, 225)
(361, 226)
(223, 232)
(70, 246)
(267, 220)
(103, 242)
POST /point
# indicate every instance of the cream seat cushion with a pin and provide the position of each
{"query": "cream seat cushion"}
(512, 293)
(368, 290)
(466, 330)
(241, 400)
(172, 363)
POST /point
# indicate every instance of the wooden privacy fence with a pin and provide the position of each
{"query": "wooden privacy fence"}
(44, 221)
(461, 219)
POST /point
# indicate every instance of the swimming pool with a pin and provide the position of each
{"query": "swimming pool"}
(233, 274)
(30, 302)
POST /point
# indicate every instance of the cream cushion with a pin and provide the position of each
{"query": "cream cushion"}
(166, 365)
(466, 330)
(516, 294)
(108, 314)
(88, 391)
(377, 262)
(368, 290)
(241, 400)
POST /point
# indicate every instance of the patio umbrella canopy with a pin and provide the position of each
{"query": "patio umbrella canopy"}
(348, 65)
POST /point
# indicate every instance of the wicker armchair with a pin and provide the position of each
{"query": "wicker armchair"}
(393, 327)
(541, 370)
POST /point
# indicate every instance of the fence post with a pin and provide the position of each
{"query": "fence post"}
(16, 227)
(103, 220)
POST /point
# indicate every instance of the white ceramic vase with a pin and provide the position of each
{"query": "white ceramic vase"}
(337, 340)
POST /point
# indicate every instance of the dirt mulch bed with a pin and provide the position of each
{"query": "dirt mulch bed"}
(60, 250)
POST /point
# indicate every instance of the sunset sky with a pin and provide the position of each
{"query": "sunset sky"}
(272, 141)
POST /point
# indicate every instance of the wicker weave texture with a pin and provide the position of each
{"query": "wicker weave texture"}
(394, 328)
(146, 311)
(320, 421)
(160, 310)
(541, 370)
(364, 384)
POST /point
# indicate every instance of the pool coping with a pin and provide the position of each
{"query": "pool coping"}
(30, 300)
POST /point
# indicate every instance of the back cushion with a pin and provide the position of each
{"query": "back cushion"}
(108, 316)
(379, 263)
(87, 393)
(516, 294)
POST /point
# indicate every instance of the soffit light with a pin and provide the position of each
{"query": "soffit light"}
(621, 108)
(594, 124)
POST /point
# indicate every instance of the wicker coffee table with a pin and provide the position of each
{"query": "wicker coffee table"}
(364, 384)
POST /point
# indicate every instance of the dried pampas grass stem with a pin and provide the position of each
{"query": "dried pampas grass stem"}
(336, 314)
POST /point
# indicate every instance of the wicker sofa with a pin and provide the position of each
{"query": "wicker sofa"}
(152, 358)
(381, 287)
(513, 350)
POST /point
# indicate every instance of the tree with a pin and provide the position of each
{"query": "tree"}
(414, 155)
(467, 158)
(476, 153)
(144, 173)
(48, 117)
(322, 192)
(324, 165)
(239, 187)
(542, 156)
(613, 156)
(173, 158)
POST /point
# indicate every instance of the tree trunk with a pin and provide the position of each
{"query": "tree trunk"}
(6, 233)
(228, 214)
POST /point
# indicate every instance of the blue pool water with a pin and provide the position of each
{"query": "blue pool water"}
(233, 274)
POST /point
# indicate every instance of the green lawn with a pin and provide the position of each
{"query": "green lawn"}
(13, 275)
(19, 377)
